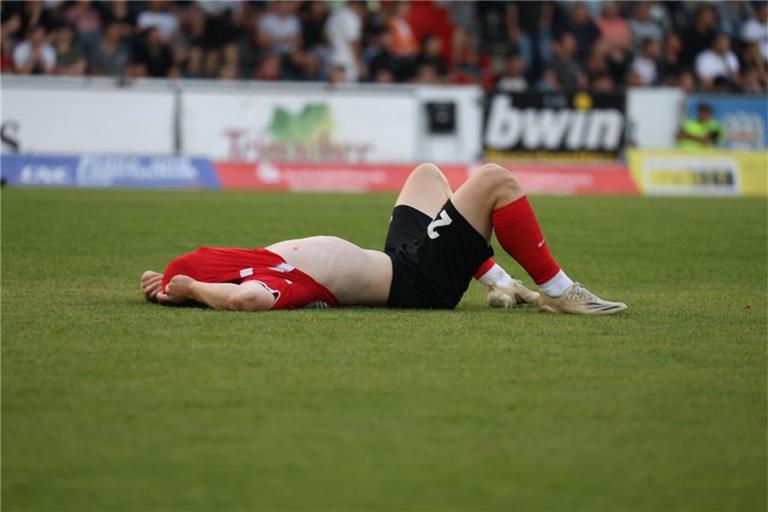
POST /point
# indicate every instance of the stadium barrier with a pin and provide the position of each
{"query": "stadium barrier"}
(252, 121)
(110, 171)
(679, 173)
(537, 179)
(700, 173)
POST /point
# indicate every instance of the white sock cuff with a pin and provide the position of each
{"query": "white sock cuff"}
(556, 286)
(496, 275)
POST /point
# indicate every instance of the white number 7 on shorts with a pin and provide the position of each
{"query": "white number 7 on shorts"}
(443, 220)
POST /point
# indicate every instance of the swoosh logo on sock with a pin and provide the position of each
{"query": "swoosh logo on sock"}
(540, 244)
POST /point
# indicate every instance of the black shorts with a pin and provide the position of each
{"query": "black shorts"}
(433, 261)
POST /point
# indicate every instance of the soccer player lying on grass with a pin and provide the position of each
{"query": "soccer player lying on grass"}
(437, 241)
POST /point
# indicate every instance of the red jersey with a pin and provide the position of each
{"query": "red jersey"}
(291, 287)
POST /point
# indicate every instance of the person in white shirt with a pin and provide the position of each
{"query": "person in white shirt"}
(35, 55)
(755, 29)
(645, 64)
(344, 31)
(717, 62)
(280, 29)
(158, 15)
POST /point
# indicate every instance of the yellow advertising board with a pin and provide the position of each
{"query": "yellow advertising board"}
(700, 173)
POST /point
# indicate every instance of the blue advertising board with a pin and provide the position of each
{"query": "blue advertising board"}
(744, 119)
(108, 171)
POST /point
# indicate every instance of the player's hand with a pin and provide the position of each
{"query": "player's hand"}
(150, 284)
(177, 290)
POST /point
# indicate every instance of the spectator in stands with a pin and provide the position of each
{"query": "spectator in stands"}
(754, 67)
(268, 68)
(755, 29)
(279, 33)
(160, 15)
(313, 21)
(614, 29)
(8, 31)
(432, 54)
(232, 39)
(405, 43)
(513, 78)
(645, 63)
(535, 19)
(700, 35)
(751, 82)
(152, 56)
(719, 62)
(280, 28)
(118, 12)
(32, 14)
(466, 67)
(35, 55)
(642, 25)
(548, 82)
(426, 74)
(344, 30)
(596, 64)
(193, 49)
(569, 73)
(702, 132)
(686, 82)
(70, 59)
(583, 29)
(84, 16)
(337, 76)
(731, 14)
(110, 56)
(671, 63)
(383, 65)
(499, 29)
(603, 84)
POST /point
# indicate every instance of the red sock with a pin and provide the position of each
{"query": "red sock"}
(518, 232)
(485, 267)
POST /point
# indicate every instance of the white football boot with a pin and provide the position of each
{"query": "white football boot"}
(514, 295)
(579, 301)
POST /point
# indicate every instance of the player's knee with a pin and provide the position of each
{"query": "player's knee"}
(429, 172)
(498, 179)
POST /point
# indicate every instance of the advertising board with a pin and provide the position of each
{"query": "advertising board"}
(87, 121)
(551, 126)
(314, 126)
(536, 179)
(108, 171)
(701, 173)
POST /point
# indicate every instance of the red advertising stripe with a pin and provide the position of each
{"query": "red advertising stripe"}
(344, 177)
(575, 179)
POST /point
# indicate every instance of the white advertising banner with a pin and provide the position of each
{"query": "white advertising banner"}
(338, 126)
(60, 121)
(654, 116)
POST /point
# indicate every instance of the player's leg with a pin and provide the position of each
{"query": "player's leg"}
(426, 190)
(492, 199)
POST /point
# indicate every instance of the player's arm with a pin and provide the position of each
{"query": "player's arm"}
(235, 297)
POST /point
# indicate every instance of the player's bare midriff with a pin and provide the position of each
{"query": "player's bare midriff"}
(354, 275)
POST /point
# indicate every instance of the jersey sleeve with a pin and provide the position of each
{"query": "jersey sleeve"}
(289, 294)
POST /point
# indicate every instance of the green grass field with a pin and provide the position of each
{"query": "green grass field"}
(110, 403)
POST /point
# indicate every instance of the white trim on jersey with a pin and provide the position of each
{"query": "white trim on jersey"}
(275, 293)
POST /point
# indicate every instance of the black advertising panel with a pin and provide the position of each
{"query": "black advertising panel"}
(576, 125)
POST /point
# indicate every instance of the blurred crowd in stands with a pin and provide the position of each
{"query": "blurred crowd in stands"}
(513, 46)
